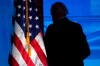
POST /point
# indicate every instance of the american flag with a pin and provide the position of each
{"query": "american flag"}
(28, 47)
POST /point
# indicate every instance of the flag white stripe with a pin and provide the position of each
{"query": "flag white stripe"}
(34, 57)
(39, 39)
(19, 32)
(18, 57)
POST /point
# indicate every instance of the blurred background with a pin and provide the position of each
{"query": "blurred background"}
(85, 12)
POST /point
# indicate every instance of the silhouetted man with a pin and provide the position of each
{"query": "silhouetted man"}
(65, 42)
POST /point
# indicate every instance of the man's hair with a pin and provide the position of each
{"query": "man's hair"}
(59, 8)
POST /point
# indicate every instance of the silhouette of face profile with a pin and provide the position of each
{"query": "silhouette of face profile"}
(58, 10)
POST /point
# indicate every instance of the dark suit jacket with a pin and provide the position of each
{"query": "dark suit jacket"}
(66, 44)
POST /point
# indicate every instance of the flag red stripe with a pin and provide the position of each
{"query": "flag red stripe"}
(39, 52)
(14, 62)
(41, 33)
(24, 54)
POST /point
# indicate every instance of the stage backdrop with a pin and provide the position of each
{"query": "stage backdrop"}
(6, 11)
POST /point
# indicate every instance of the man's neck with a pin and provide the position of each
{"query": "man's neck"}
(61, 17)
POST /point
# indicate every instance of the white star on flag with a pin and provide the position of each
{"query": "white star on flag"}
(36, 18)
(30, 17)
(36, 9)
(19, 6)
(37, 26)
(18, 15)
(30, 9)
(30, 26)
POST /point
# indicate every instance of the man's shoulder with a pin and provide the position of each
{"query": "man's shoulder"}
(75, 24)
(71, 22)
(51, 25)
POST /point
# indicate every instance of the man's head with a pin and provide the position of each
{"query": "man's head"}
(58, 10)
